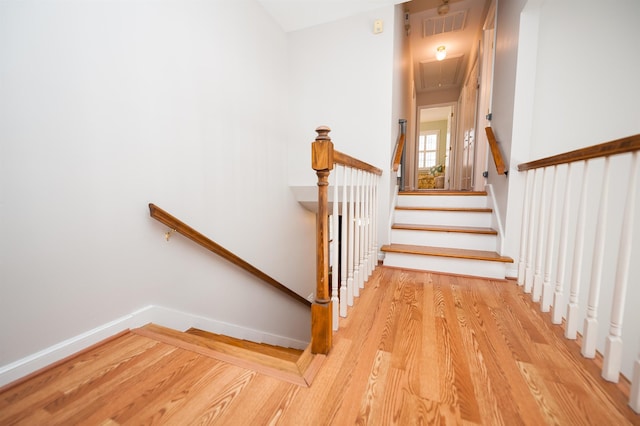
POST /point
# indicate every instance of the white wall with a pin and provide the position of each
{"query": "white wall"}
(341, 75)
(107, 106)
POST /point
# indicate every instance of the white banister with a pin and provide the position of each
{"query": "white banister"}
(547, 292)
(590, 333)
(571, 329)
(344, 235)
(522, 261)
(558, 305)
(351, 240)
(528, 280)
(613, 346)
(334, 252)
(540, 245)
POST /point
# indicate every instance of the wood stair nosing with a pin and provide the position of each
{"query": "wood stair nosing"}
(446, 252)
(300, 372)
(287, 354)
(443, 228)
(447, 209)
(440, 192)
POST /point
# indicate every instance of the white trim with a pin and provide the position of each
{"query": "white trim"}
(495, 219)
(166, 317)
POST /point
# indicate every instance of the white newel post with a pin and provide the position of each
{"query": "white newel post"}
(558, 308)
(350, 240)
(591, 320)
(540, 245)
(613, 345)
(528, 279)
(571, 329)
(547, 293)
(343, 247)
(522, 261)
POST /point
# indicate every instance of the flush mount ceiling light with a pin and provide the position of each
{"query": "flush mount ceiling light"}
(443, 9)
(441, 53)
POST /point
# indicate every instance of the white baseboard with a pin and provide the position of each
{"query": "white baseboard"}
(156, 314)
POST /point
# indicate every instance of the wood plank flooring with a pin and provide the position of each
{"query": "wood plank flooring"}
(417, 348)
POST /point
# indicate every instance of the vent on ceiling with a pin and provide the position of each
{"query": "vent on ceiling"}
(444, 24)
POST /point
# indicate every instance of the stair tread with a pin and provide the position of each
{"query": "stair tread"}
(437, 192)
(442, 228)
(447, 209)
(289, 354)
(300, 371)
(446, 252)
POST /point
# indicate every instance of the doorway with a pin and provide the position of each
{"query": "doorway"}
(433, 145)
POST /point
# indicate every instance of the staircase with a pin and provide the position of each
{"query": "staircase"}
(287, 364)
(445, 231)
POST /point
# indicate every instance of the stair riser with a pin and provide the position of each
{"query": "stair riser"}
(444, 239)
(479, 268)
(475, 201)
(443, 218)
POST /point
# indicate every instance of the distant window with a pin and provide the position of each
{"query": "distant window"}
(427, 149)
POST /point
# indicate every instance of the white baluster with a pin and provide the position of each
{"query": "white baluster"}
(351, 224)
(547, 293)
(528, 279)
(558, 308)
(343, 247)
(540, 245)
(356, 238)
(374, 224)
(591, 321)
(365, 229)
(522, 261)
(370, 227)
(571, 328)
(613, 345)
(634, 394)
(362, 232)
(334, 253)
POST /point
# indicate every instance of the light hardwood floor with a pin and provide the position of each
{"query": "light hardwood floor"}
(417, 348)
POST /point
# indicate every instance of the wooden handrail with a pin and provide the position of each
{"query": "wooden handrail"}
(618, 146)
(495, 152)
(346, 160)
(195, 236)
(399, 149)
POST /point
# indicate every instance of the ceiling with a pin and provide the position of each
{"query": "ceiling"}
(458, 30)
(464, 19)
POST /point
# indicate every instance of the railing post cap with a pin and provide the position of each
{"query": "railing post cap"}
(323, 133)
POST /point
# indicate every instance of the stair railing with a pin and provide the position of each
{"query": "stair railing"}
(353, 245)
(182, 228)
(543, 242)
(398, 153)
(498, 159)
